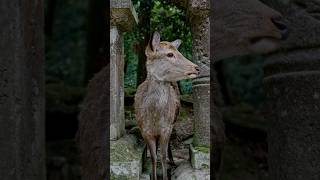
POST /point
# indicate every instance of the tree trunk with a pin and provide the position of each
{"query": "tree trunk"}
(22, 142)
(144, 26)
(222, 82)
(49, 17)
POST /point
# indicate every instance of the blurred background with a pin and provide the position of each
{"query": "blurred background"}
(75, 51)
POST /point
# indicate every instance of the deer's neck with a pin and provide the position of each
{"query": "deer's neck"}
(159, 93)
(151, 78)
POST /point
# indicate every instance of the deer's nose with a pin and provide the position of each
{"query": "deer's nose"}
(278, 22)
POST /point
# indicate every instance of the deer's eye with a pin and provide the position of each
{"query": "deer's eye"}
(170, 55)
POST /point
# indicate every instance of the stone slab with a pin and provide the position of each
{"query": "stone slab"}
(200, 157)
(125, 159)
(123, 14)
(145, 176)
(186, 172)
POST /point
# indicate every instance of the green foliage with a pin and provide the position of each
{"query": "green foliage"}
(204, 149)
(170, 22)
(243, 76)
(186, 86)
(63, 98)
(131, 58)
(66, 49)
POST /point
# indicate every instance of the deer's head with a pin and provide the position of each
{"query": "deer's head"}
(166, 63)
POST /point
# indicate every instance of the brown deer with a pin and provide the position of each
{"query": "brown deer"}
(156, 101)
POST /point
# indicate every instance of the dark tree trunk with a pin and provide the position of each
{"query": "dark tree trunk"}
(49, 18)
(96, 38)
(144, 26)
(22, 142)
(222, 82)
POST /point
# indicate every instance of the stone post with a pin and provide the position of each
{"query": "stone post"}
(22, 130)
(198, 14)
(125, 158)
(292, 86)
(123, 18)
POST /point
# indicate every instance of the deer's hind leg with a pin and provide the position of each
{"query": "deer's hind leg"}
(153, 152)
(170, 155)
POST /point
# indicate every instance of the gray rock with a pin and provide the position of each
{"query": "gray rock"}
(200, 157)
(145, 177)
(125, 159)
(186, 172)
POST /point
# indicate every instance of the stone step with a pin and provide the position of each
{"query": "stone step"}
(200, 157)
(145, 176)
(125, 159)
(185, 172)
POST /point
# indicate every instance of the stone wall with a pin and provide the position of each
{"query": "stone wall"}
(22, 136)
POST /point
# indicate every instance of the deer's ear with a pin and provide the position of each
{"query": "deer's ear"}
(176, 43)
(155, 42)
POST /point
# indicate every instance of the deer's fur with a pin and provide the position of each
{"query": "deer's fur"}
(156, 101)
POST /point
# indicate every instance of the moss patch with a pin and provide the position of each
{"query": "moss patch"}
(203, 149)
(124, 150)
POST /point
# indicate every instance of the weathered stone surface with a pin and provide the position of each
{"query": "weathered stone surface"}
(123, 14)
(125, 159)
(186, 172)
(145, 177)
(198, 14)
(22, 118)
(200, 157)
(117, 121)
(201, 96)
(123, 18)
(199, 5)
(292, 86)
(200, 27)
(183, 127)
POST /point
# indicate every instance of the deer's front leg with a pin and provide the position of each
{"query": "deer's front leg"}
(153, 151)
(164, 141)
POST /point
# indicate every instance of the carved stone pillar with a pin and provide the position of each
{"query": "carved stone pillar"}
(292, 86)
(125, 158)
(123, 18)
(93, 119)
(198, 13)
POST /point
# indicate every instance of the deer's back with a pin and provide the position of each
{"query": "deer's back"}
(156, 106)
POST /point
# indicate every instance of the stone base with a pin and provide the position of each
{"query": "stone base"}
(125, 159)
(186, 172)
(145, 176)
(200, 157)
